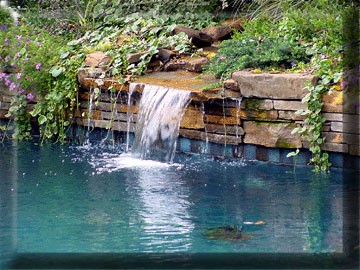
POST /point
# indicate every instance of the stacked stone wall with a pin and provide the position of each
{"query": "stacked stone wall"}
(250, 110)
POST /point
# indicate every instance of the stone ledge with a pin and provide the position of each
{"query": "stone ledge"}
(275, 86)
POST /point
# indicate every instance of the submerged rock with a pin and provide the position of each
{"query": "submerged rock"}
(229, 232)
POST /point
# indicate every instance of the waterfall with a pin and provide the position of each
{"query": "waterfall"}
(160, 112)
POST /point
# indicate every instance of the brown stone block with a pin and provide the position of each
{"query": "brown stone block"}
(290, 115)
(289, 105)
(333, 137)
(257, 104)
(271, 134)
(224, 129)
(335, 147)
(217, 119)
(270, 115)
(354, 150)
(193, 118)
(345, 127)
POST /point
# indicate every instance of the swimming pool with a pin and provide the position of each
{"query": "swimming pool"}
(96, 199)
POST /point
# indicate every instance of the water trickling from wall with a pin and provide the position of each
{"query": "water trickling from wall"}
(238, 108)
(160, 112)
(90, 115)
(129, 116)
(206, 149)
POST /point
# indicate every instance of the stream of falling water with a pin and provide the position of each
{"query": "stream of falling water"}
(205, 151)
(129, 116)
(238, 107)
(160, 112)
(90, 109)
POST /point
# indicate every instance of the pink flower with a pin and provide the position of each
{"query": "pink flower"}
(30, 96)
(38, 66)
(18, 75)
(12, 86)
(19, 37)
(21, 91)
(17, 55)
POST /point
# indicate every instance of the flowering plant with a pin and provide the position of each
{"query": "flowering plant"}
(26, 57)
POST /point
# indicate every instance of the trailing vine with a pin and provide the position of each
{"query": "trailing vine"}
(313, 123)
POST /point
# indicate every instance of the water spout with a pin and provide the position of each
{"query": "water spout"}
(160, 112)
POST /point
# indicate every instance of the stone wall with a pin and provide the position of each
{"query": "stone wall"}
(251, 110)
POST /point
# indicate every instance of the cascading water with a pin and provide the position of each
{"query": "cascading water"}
(160, 112)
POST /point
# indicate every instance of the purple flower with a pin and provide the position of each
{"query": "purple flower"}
(12, 64)
(3, 27)
(293, 63)
(322, 56)
(19, 37)
(343, 84)
(18, 75)
(17, 55)
(7, 58)
(38, 66)
(38, 43)
(12, 86)
(7, 41)
(30, 96)
(7, 82)
(21, 91)
(3, 75)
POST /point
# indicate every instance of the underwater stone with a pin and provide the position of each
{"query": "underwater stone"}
(230, 233)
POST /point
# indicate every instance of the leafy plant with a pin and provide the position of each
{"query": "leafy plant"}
(250, 53)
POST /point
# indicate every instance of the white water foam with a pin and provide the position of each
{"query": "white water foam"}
(114, 162)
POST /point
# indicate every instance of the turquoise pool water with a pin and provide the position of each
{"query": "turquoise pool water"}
(94, 199)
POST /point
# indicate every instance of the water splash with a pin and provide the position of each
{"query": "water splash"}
(160, 112)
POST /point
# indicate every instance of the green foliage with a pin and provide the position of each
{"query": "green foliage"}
(250, 53)
(5, 17)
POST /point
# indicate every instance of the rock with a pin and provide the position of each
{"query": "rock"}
(231, 85)
(218, 33)
(234, 24)
(193, 118)
(133, 58)
(89, 73)
(230, 233)
(271, 134)
(198, 38)
(97, 59)
(193, 64)
(275, 86)
(165, 55)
